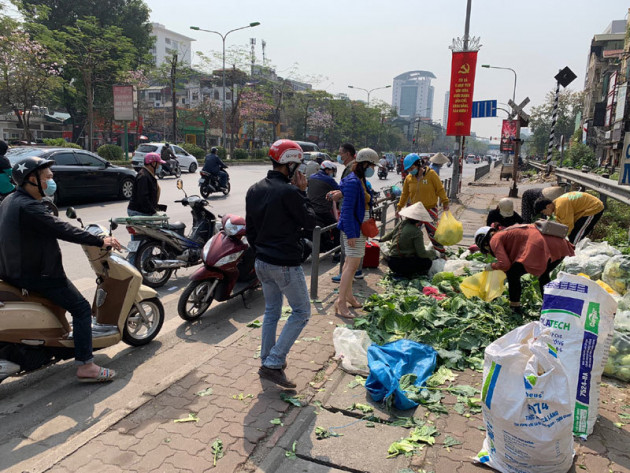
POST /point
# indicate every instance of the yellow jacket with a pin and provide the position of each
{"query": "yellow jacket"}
(424, 188)
(572, 206)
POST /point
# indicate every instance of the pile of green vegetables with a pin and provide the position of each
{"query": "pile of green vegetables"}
(458, 328)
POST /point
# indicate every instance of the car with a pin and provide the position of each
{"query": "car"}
(471, 158)
(186, 160)
(80, 174)
(307, 146)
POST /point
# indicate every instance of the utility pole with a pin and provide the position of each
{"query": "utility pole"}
(174, 95)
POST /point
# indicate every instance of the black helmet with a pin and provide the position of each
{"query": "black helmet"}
(213, 150)
(23, 168)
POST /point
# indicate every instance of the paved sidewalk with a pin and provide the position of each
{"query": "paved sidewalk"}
(261, 432)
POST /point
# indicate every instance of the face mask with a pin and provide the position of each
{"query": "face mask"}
(51, 188)
(158, 169)
(369, 172)
(413, 172)
(339, 160)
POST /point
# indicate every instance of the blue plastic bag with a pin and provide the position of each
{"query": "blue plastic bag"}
(388, 363)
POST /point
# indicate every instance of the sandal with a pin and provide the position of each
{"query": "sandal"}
(104, 375)
(354, 303)
(345, 315)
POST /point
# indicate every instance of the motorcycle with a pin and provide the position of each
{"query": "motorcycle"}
(227, 272)
(160, 247)
(382, 172)
(34, 332)
(209, 183)
(173, 170)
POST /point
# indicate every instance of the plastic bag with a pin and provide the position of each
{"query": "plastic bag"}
(449, 231)
(437, 266)
(618, 364)
(589, 248)
(487, 285)
(580, 315)
(591, 265)
(388, 363)
(351, 347)
(617, 273)
(526, 404)
(456, 266)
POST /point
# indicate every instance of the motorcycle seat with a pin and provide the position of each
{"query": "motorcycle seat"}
(10, 293)
(178, 227)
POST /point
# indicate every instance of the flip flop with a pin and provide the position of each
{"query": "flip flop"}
(104, 375)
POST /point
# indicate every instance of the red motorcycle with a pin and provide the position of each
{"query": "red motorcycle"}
(227, 271)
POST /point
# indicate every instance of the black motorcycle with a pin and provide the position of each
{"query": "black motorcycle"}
(382, 172)
(209, 184)
(172, 168)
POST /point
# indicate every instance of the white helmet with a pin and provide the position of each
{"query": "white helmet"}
(367, 155)
(328, 165)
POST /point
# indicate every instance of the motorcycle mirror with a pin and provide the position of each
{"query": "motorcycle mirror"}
(180, 184)
(112, 226)
(71, 213)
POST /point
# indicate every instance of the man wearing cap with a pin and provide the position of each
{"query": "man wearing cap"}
(504, 215)
(437, 161)
(408, 256)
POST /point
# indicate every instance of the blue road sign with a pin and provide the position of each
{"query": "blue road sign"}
(484, 109)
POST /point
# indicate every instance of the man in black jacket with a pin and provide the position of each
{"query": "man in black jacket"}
(215, 166)
(30, 257)
(277, 212)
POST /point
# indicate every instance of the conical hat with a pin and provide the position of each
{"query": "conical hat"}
(439, 158)
(416, 212)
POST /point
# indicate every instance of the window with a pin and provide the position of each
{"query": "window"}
(228, 96)
(146, 149)
(178, 150)
(216, 95)
(167, 40)
(65, 158)
(89, 160)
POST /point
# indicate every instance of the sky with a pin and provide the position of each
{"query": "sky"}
(366, 43)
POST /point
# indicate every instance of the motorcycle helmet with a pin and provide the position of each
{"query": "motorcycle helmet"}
(410, 160)
(285, 152)
(153, 158)
(328, 165)
(396, 191)
(213, 150)
(25, 167)
(482, 236)
(367, 155)
(233, 225)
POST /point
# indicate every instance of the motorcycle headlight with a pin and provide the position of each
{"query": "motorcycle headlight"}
(206, 249)
(229, 258)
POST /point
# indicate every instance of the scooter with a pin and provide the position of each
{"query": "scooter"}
(227, 271)
(173, 170)
(159, 248)
(382, 172)
(209, 184)
(34, 332)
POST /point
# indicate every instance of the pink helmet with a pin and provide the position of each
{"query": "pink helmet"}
(153, 158)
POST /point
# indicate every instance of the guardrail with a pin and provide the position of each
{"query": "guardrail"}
(481, 171)
(497, 163)
(605, 187)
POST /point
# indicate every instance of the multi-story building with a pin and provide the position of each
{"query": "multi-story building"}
(169, 42)
(412, 94)
(447, 96)
(605, 89)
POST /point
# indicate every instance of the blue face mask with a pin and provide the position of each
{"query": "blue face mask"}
(51, 188)
(414, 172)
(339, 160)
(369, 172)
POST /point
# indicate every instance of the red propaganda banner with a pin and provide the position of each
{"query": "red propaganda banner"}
(461, 93)
(508, 135)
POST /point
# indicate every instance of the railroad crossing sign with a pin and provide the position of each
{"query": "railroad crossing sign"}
(518, 111)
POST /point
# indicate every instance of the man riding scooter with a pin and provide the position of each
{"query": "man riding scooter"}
(30, 257)
(168, 158)
(214, 166)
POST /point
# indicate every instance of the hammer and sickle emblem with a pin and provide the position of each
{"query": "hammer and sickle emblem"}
(465, 69)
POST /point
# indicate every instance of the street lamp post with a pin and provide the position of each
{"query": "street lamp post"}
(369, 91)
(488, 66)
(223, 36)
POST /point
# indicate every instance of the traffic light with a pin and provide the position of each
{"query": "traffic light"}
(413, 141)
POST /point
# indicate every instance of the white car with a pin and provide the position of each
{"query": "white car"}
(186, 160)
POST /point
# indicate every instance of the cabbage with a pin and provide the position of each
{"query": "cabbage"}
(617, 273)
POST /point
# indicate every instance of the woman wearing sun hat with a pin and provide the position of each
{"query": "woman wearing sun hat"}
(504, 215)
(437, 161)
(408, 256)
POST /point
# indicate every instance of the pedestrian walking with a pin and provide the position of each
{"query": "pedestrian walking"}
(277, 213)
(577, 210)
(355, 208)
(423, 185)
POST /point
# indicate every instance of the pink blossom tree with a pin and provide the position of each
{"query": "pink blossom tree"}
(29, 72)
(319, 121)
(254, 106)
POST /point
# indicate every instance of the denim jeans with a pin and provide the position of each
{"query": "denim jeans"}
(278, 281)
(223, 178)
(134, 213)
(62, 292)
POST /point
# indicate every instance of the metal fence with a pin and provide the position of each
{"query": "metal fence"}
(481, 171)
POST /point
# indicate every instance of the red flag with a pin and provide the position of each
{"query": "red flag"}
(461, 93)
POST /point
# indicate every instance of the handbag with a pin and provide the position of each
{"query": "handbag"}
(369, 228)
(547, 227)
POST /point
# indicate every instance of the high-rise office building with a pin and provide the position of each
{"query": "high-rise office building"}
(447, 96)
(412, 94)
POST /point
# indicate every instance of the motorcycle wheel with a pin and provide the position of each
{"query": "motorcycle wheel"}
(227, 189)
(160, 175)
(152, 250)
(178, 172)
(190, 306)
(205, 192)
(139, 330)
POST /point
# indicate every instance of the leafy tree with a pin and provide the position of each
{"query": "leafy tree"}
(580, 155)
(254, 106)
(28, 72)
(569, 105)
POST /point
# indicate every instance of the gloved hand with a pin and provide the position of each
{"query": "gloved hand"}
(488, 267)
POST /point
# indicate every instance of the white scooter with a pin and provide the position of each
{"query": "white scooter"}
(34, 332)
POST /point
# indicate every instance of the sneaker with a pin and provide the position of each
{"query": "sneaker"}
(358, 274)
(276, 376)
(336, 278)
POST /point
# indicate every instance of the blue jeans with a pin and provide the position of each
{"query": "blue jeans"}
(134, 213)
(62, 292)
(278, 281)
